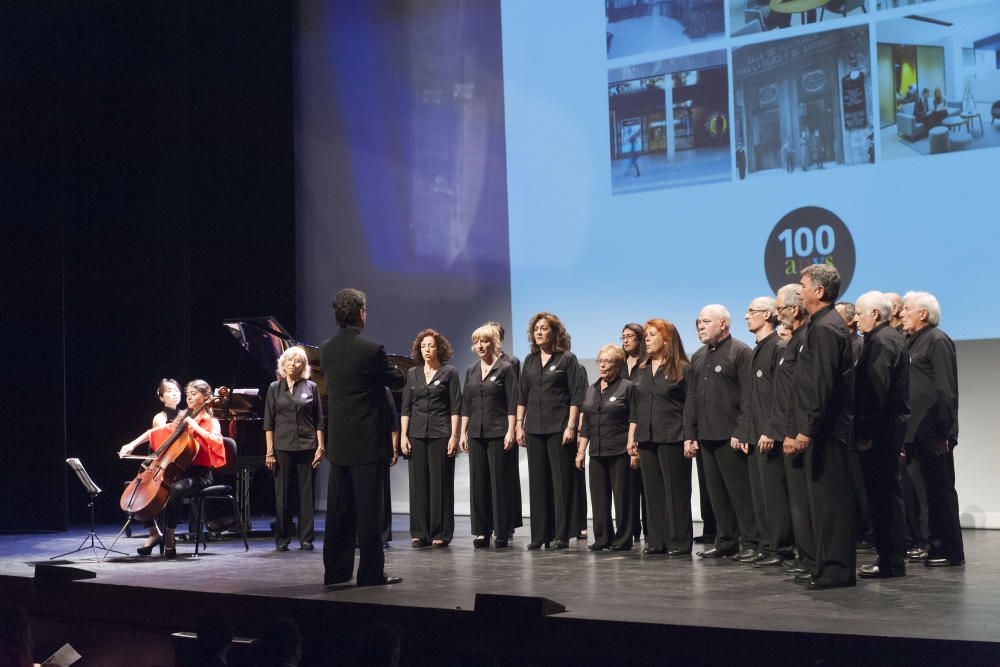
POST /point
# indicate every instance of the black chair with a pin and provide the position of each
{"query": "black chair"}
(217, 492)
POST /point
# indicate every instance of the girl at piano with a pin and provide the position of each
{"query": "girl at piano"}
(169, 393)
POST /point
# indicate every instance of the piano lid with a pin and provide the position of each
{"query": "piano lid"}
(265, 340)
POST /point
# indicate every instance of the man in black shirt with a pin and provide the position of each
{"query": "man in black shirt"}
(767, 469)
(932, 431)
(716, 411)
(822, 407)
(881, 410)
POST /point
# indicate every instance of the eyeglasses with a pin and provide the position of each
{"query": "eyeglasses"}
(628, 337)
(782, 308)
(754, 311)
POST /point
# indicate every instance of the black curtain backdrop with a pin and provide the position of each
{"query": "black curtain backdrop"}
(147, 192)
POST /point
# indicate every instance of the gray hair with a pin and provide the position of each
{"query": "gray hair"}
(719, 310)
(791, 294)
(766, 303)
(925, 301)
(826, 277)
(294, 351)
(876, 301)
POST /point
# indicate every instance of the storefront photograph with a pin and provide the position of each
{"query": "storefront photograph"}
(641, 26)
(748, 17)
(669, 123)
(939, 81)
(892, 4)
(803, 104)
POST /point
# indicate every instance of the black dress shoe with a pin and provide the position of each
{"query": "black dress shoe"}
(876, 571)
(941, 561)
(597, 547)
(481, 542)
(535, 546)
(501, 543)
(308, 546)
(916, 554)
(756, 556)
(281, 547)
(716, 553)
(673, 553)
(744, 554)
(621, 547)
(418, 543)
(147, 549)
(769, 561)
(384, 581)
(796, 569)
(803, 577)
(705, 539)
(814, 584)
(650, 551)
(560, 544)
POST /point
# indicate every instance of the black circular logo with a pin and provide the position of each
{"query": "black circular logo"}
(808, 235)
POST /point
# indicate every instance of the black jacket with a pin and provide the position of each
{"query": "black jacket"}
(430, 406)
(882, 380)
(357, 372)
(547, 393)
(488, 403)
(659, 405)
(933, 386)
(781, 414)
(293, 415)
(718, 396)
(763, 370)
(606, 416)
(823, 385)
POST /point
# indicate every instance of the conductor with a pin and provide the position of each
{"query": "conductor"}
(357, 372)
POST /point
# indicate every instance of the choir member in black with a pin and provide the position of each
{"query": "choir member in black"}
(489, 403)
(515, 498)
(849, 313)
(708, 527)
(932, 430)
(822, 409)
(716, 411)
(634, 346)
(656, 433)
(793, 314)
(607, 410)
(882, 379)
(357, 374)
(392, 416)
(293, 430)
(766, 464)
(551, 388)
(169, 393)
(432, 405)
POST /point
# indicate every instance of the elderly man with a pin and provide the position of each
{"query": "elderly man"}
(716, 410)
(795, 317)
(897, 307)
(850, 315)
(932, 431)
(767, 468)
(823, 399)
(882, 379)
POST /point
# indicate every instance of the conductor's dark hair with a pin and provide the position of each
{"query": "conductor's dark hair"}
(347, 305)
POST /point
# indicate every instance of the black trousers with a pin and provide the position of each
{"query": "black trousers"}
(354, 513)
(708, 527)
(883, 483)
(432, 490)
(861, 502)
(770, 501)
(914, 503)
(515, 498)
(490, 486)
(728, 483)
(294, 465)
(551, 486)
(640, 515)
(798, 508)
(193, 480)
(666, 477)
(611, 478)
(579, 510)
(386, 507)
(944, 529)
(831, 507)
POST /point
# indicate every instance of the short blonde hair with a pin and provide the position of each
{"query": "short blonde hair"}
(294, 351)
(615, 352)
(490, 333)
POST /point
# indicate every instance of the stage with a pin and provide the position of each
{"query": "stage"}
(620, 607)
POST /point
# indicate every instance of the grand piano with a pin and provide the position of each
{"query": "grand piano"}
(264, 339)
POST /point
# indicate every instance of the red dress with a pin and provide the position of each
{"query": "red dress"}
(211, 451)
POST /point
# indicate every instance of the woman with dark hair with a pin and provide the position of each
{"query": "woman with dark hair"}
(607, 410)
(551, 388)
(489, 402)
(634, 346)
(169, 393)
(293, 429)
(656, 434)
(432, 403)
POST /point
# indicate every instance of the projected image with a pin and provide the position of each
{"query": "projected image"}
(748, 17)
(641, 26)
(939, 82)
(892, 4)
(803, 104)
(669, 123)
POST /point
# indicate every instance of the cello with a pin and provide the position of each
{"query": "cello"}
(146, 495)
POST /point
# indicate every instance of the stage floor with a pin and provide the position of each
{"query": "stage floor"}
(951, 604)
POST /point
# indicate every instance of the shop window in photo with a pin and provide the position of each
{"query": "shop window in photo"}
(635, 27)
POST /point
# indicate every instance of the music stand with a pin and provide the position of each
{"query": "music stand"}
(93, 491)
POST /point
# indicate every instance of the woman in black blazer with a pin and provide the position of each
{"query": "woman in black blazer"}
(551, 386)
(489, 403)
(607, 411)
(634, 346)
(432, 403)
(656, 434)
